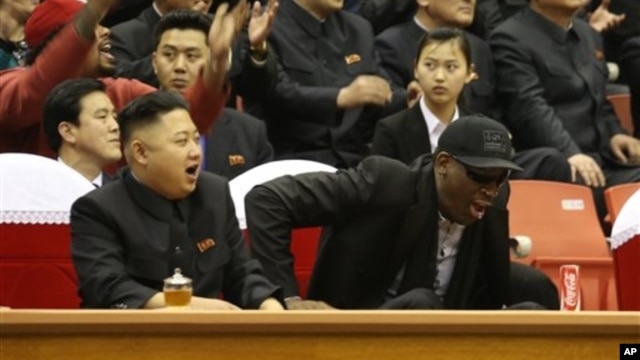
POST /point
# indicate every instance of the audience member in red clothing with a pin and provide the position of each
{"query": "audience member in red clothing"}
(81, 49)
(81, 127)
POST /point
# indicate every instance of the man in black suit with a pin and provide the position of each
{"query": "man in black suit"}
(79, 122)
(132, 40)
(330, 89)
(398, 47)
(431, 236)
(163, 214)
(252, 68)
(237, 141)
(551, 81)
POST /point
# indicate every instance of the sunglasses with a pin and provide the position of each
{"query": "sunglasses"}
(484, 179)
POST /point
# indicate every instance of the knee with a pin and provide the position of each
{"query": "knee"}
(552, 156)
(422, 299)
(555, 164)
(529, 284)
(526, 305)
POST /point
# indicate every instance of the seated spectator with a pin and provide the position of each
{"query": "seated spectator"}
(81, 49)
(132, 40)
(237, 142)
(397, 48)
(130, 235)
(81, 127)
(551, 81)
(330, 89)
(443, 68)
(13, 15)
(252, 67)
(430, 236)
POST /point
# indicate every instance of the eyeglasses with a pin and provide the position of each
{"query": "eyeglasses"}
(484, 179)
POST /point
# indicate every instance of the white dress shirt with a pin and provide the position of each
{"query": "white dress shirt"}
(97, 182)
(435, 127)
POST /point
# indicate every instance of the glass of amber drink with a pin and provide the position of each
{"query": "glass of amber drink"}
(177, 291)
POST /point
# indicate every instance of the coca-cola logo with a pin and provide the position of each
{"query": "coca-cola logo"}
(571, 286)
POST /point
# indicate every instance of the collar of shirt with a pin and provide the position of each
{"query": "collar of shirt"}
(155, 7)
(435, 127)
(420, 25)
(97, 181)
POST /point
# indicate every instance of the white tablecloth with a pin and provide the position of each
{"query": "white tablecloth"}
(38, 190)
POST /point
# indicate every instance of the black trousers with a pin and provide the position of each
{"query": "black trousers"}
(530, 289)
(542, 164)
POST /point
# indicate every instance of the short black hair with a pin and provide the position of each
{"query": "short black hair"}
(182, 19)
(146, 110)
(63, 104)
(445, 34)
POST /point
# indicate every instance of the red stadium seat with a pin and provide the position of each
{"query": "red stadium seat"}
(622, 106)
(616, 196)
(562, 223)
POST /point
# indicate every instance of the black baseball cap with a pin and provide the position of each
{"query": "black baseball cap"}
(478, 141)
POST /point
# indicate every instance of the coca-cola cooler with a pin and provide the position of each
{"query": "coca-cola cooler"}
(625, 245)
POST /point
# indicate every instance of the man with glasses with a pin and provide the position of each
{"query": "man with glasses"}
(431, 235)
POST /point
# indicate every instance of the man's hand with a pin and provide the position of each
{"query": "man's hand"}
(199, 303)
(299, 304)
(626, 148)
(588, 169)
(365, 90)
(261, 22)
(221, 35)
(603, 20)
(271, 304)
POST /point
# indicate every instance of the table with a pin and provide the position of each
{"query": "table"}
(307, 335)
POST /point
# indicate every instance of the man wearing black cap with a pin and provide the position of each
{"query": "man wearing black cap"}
(433, 235)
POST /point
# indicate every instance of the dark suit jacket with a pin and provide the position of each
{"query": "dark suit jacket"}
(385, 13)
(404, 135)
(132, 44)
(303, 119)
(120, 245)
(125, 10)
(237, 143)
(133, 40)
(398, 47)
(548, 101)
(380, 216)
